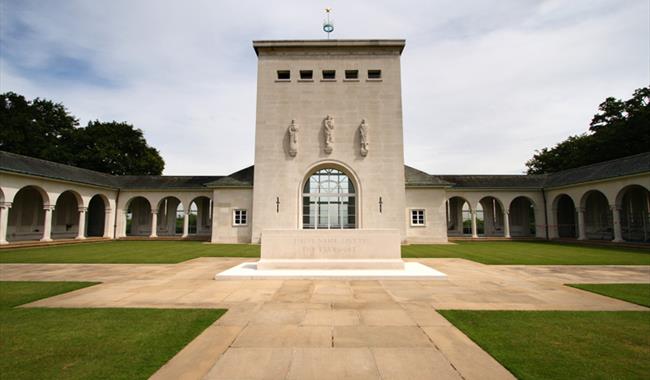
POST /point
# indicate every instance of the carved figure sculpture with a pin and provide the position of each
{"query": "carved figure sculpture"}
(293, 138)
(363, 133)
(328, 128)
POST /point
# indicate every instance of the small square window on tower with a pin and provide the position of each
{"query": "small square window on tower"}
(351, 74)
(306, 74)
(329, 74)
(417, 217)
(284, 75)
(374, 74)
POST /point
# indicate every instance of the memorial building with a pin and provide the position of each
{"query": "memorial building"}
(329, 156)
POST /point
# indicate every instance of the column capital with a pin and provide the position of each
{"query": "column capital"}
(615, 207)
(108, 210)
(154, 212)
(48, 207)
(5, 204)
(581, 209)
(82, 209)
(506, 211)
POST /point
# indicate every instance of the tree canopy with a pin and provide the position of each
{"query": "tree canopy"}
(619, 129)
(43, 129)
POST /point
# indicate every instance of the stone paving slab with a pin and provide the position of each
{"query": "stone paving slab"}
(279, 329)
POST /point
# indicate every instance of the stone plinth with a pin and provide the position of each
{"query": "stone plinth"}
(331, 249)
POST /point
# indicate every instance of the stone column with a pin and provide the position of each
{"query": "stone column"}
(154, 224)
(582, 233)
(474, 229)
(554, 225)
(4, 221)
(81, 233)
(47, 226)
(108, 225)
(186, 224)
(616, 220)
(506, 224)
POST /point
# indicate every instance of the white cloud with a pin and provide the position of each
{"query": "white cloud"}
(484, 84)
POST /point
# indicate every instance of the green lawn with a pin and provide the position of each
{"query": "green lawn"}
(486, 252)
(635, 293)
(531, 253)
(562, 344)
(125, 252)
(45, 343)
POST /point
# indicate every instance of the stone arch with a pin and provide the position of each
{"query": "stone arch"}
(456, 216)
(564, 215)
(491, 222)
(96, 216)
(138, 216)
(522, 217)
(65, 216)
(170, 216)
(200, 216)
(26, 217)
(633, 201)
(598, 222)
(342, 211)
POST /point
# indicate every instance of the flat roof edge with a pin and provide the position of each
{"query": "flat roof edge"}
(397, 43)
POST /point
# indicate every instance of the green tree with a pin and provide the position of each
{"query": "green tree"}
(46, 130)
(116, 148)
(619, 129)
(39, 128)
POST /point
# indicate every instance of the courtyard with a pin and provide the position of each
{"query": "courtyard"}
(157, 304)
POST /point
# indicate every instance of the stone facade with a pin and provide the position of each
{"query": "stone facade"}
(325, 105)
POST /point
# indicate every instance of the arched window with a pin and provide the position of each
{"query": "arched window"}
(329, 201)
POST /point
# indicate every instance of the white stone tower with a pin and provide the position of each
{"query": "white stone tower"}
(329, 104)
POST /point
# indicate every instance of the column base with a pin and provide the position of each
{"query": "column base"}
(46, 239)
(80, 238)
(618, 241)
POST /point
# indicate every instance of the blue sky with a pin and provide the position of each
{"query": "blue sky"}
(484, 83)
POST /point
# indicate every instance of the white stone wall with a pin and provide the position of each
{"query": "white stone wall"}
(379, 174)
(226, 202)
(432, 201)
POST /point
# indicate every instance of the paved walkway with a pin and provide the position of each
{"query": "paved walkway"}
(300, 329)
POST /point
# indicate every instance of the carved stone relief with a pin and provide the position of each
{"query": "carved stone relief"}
(293, 138)
(363, 134)
(328, 129)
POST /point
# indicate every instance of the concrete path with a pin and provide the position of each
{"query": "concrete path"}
(302, 329)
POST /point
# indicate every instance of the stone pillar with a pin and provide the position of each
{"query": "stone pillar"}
(506, 224)
(186, 224)
(616, 220)
(474, 229)
(47, 226)
(4, 221)
(108, 223)
(154, 224)
(582, 233)
(554, 225)
(81, 233)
